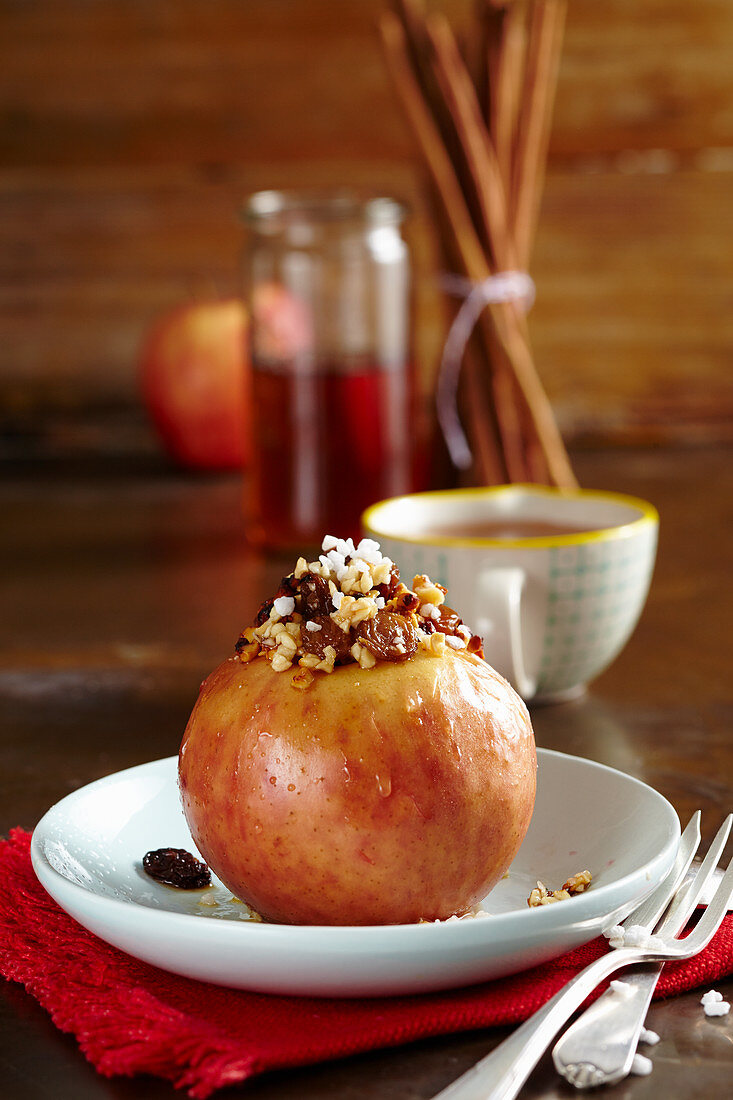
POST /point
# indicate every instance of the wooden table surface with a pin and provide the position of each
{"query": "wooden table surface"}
(124, 586)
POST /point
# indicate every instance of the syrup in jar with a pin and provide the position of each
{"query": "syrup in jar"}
(328, 288)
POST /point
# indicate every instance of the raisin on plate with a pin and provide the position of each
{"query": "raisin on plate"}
(176, 867)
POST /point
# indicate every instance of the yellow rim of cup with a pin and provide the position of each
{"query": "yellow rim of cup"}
(649, 516)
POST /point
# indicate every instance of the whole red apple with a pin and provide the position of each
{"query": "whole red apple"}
(381, 795)
(194, 373)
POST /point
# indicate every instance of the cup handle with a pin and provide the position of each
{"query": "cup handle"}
(499, 623)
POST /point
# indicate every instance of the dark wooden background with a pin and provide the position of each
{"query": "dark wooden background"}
(130, 130)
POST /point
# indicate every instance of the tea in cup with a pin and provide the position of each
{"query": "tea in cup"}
(554, 580)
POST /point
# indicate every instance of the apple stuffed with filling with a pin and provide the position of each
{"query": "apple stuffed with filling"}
(355, 760)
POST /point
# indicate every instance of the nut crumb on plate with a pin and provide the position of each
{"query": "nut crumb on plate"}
(576, 884)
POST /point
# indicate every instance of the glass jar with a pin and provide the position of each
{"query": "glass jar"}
(328, 290)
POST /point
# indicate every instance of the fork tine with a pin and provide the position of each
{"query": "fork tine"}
(713, 915)
(686, 899)
(648, 913)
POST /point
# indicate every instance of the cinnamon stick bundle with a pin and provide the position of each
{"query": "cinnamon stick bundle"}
(484, 143)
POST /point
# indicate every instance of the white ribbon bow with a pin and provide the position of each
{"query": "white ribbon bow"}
(505, 286)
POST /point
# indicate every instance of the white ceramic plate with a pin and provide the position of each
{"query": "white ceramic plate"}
(87, 853)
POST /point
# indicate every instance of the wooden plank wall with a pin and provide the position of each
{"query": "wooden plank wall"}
(130, 129)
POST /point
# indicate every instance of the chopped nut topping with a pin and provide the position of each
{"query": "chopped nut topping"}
(364, 657)
(350, 606)
(280, 663)
(404, 601)
(427, 591)
(247, 651)
(329, 659)
(436, 644)
(303, 679)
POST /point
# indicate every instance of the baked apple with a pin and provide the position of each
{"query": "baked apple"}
(356, 761)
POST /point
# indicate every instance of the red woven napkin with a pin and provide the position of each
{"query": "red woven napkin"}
(130, 1018)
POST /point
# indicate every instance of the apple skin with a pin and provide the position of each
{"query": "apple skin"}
(195, 379)
(377, 796)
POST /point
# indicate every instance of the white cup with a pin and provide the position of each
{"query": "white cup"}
(554, 608)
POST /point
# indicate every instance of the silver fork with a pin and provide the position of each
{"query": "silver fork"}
(501, 1074)
(599, 1048)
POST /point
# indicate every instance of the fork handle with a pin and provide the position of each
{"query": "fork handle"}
(501, 1074)
(599, 1047)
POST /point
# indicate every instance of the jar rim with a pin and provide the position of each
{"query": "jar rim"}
(289, 207)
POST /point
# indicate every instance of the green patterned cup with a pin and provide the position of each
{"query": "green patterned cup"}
(553, 580)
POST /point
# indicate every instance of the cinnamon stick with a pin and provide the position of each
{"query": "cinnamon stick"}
(488, 455)
(439, 164)
(505, 23)
(423, 125)
(412, 15)
(479, 150)
(547, 21)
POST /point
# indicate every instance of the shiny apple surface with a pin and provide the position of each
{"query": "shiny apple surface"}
(377, 796)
